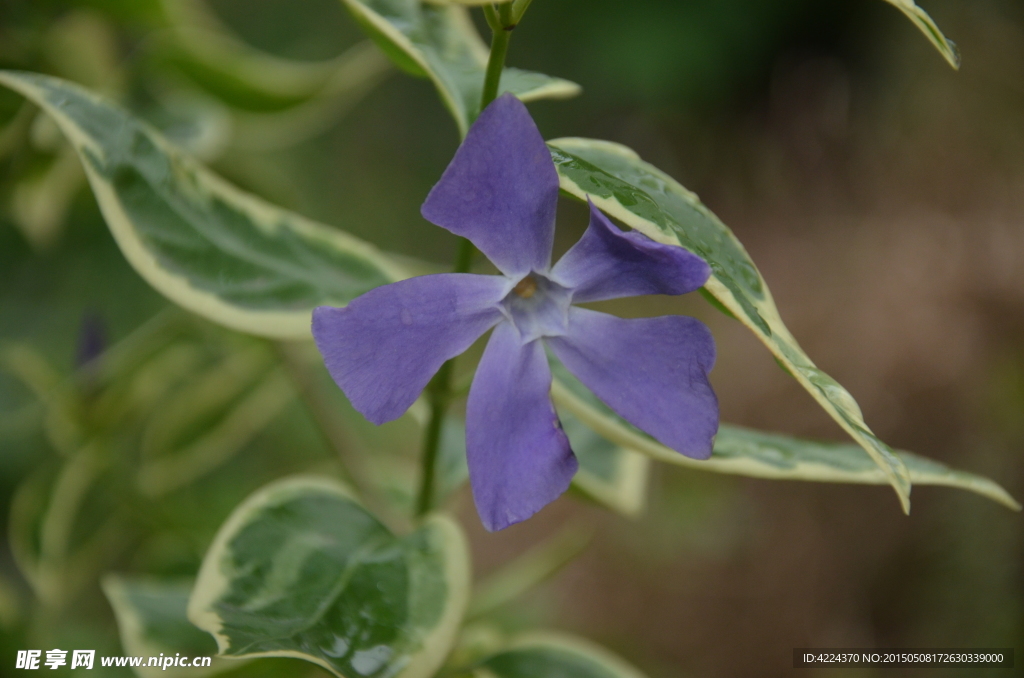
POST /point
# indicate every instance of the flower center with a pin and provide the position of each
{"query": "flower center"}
(526, 287)
(537, 307)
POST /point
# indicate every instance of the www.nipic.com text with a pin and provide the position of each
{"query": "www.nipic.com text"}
(85, 659)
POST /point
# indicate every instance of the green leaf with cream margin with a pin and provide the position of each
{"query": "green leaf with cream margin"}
(440, 42)
(931, 31)
(206, 245)
(650, 201)
(301, 569)
(553, 655)
(609, 474)
(757, 454)
(151, 620)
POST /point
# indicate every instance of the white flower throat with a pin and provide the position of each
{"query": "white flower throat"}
(538, 307)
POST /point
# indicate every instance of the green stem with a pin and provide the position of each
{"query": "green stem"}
(439, 390)
(501, 24)
(464, 258)
(439, 395)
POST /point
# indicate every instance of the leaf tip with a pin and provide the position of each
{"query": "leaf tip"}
(904, 496)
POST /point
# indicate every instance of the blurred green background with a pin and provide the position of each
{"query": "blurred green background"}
(880, 192)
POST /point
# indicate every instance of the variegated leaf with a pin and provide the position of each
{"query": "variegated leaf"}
(647, 199)
(64, 525)
(927, 26)
(275, 102)
(757, 454)
(215, 250)
(301, 569)
(609, 474)
(439, 42)
(215, 57)
(554, 655)
(212, 416)
(151, 620)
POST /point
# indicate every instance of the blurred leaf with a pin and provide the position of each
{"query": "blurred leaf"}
(211, 418)
(63, 525)
(195, 123)
(386, 459)
(758, 454)
(204, 395)
(22, 421)
(440, 42)
(151, 619)
(528, 570)
(14, 133)
(128, 395)
(644, 198)
(300, 569)
(110, 391)
(10, 604)
(83, 46)
(358, 70)
(554, 655)
(925, 24)
(282, 100)
(610, 475)
(203, 44)
(207, 246)
(452, 470)
(382, 462)
(142, 376)
(61, 421)
(40, 202)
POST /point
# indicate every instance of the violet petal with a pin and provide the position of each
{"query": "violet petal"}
(500, 190)
(607, 263)
(519, 457)
(652, 371)
(384, 347)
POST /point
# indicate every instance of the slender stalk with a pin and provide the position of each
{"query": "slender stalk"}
(439, 390)
(439, 395)
(464, 258)
(501, 24)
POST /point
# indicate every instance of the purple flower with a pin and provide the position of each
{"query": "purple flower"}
(500, 192)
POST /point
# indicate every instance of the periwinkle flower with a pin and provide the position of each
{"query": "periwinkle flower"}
(500, 192)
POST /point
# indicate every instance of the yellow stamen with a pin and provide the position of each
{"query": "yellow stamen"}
(526, 287)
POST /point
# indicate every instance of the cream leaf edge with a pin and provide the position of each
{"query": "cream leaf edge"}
(842, 411)
(131, 630)
(555, 640)
(211, 584)
(555, 88)
(807, 471)
(271, 324)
